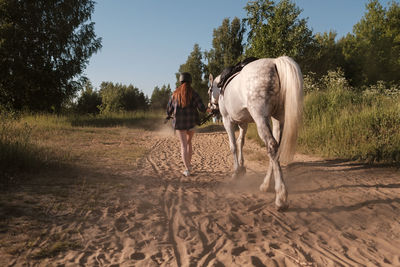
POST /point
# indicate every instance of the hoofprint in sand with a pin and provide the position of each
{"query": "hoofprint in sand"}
(145, 213)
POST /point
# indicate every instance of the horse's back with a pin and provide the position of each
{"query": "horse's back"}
(260, 80)
(255, 91)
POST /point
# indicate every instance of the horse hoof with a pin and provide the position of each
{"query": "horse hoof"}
(239, 173)
(282, 208)
(263, 187)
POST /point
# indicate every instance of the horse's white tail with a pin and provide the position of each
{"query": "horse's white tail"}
(291, 80)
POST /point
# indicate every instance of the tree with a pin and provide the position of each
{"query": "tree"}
(276, 30)
(227, 46)
(119, 97)
(133, 98)
(195, 66)
(160, 97)
(372, 52)
(89, 100)
(327, 54)
(111, 97)
(44, 47)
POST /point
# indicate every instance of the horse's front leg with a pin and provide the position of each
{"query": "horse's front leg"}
(240, 143)
(229, 127)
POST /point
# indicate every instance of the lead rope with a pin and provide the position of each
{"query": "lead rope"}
(214, 112)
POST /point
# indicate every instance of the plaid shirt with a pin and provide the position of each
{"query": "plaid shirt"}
(188, 117)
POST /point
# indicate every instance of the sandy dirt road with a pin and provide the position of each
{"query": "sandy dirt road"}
(340, 213)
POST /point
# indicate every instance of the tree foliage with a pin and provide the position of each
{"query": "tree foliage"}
(118, 97)
(227, 46)
(372, 52)
(195, 66)
(276, 30)
(160, 97)
(326, 54)
(368, 55)
(89, 101)
(44, 47)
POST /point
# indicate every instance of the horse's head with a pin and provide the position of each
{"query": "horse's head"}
(213, 92)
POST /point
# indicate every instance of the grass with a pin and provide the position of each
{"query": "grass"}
(17, 152)
(138, 119)
(353, 129)
(142, 119)
(342, 122)
(32, 142)
(351, 123)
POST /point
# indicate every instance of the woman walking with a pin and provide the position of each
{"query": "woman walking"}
(183, 106)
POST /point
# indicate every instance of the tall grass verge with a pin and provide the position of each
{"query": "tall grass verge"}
(32, 141)
(110, 119)
(345, 124)
(17, 152)
(141, 119)
(342, 122)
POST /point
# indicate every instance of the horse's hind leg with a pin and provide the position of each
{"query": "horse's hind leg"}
(277, 130)
(280, 187)
(267, 180)
(240, 143)
(265, 133)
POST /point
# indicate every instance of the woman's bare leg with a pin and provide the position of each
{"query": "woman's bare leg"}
(189, 135)
(184, 150)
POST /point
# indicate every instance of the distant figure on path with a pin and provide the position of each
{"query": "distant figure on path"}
(183, 106)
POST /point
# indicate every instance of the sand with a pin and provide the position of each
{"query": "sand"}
(340, 213)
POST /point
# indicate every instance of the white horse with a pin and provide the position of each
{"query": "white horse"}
(266, 89)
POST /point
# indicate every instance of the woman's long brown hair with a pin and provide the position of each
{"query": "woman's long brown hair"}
(183, 94)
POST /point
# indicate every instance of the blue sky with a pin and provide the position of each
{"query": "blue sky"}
(145, 41)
